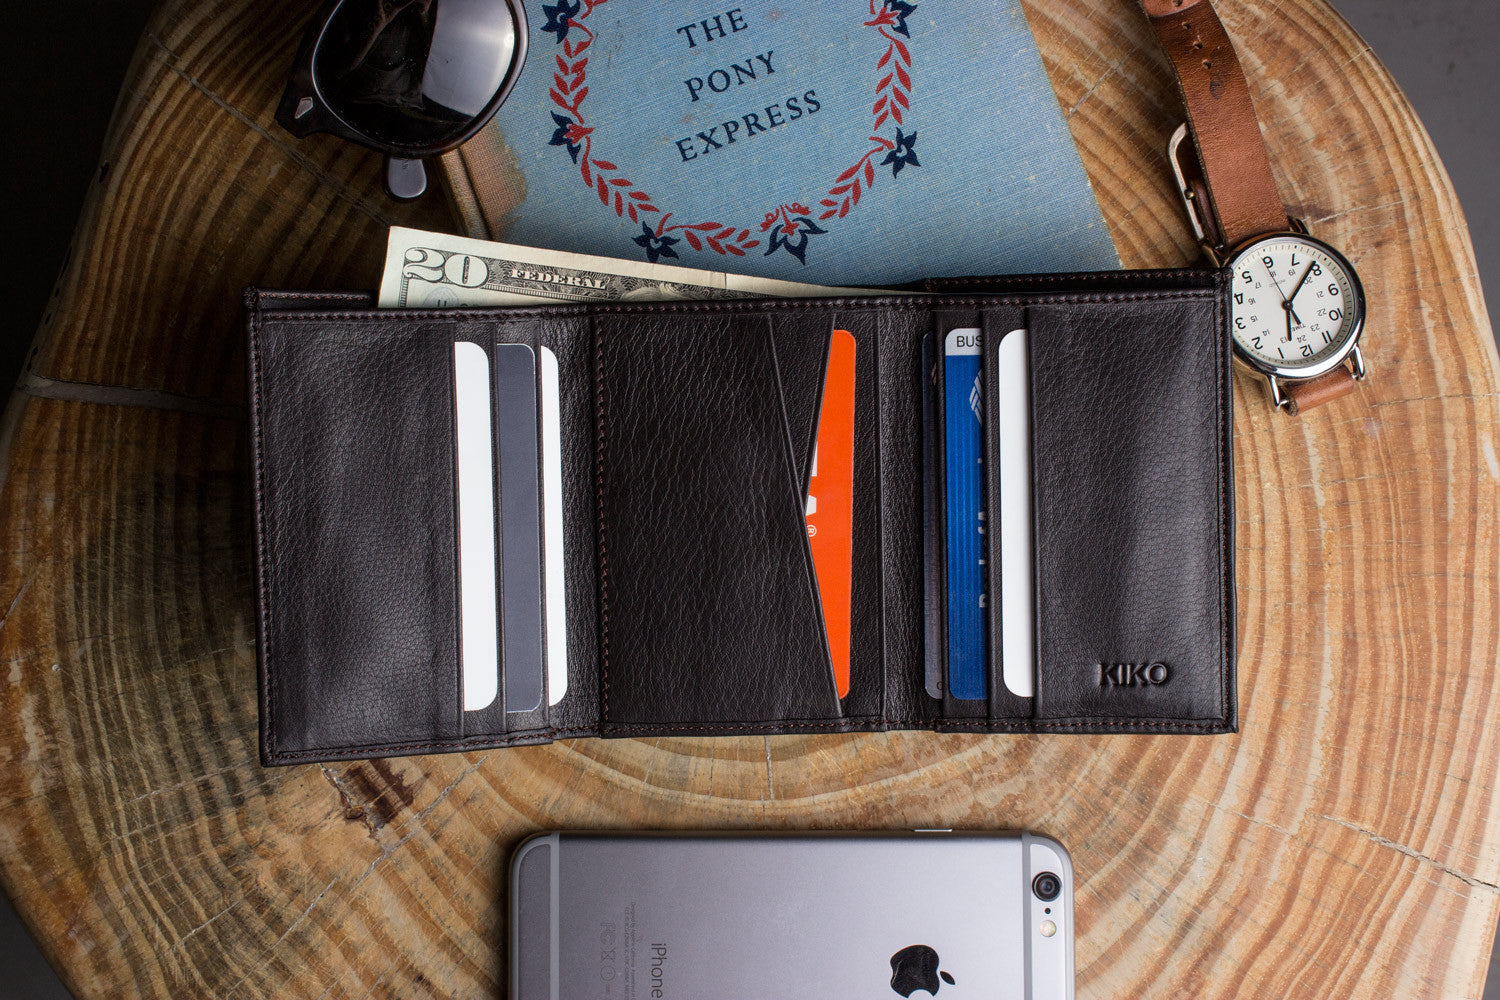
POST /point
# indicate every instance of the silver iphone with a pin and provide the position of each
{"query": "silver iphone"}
(733, 916)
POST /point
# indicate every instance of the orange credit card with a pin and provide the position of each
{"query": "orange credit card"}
(830, 502)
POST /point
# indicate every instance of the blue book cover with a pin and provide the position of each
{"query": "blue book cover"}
(839, 142)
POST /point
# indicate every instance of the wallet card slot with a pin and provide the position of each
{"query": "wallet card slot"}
(478, 609)
(957, 520)
(1010, 563)
(906, 499)
(1130, 449)
(532, 518)
(518, 443)
(572, 701)
(512, 677)
(708, 603)
(853, 618)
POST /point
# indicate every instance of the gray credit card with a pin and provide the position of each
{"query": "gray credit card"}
(520, 527)
(932, 540)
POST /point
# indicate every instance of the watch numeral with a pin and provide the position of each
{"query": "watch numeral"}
(1239, 297)
(1307, 350)
(1239, 322)
(1333, 289)
(1315, 268)
(1245, 274)
(1255, 342)
(1335, 315)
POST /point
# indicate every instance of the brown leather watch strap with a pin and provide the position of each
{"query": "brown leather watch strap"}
(1317, 391)
(1221, 118)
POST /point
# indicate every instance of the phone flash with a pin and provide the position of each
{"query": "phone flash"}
(1048, 928)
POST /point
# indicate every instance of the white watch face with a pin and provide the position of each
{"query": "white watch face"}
(1296, 305)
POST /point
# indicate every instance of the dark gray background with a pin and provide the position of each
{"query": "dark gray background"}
(67, 57)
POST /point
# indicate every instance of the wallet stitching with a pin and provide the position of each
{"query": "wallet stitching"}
(294, 295)
(1141, 275)
(262, 513)
(1226, 526)
(603, 546)
(924, 724)
(781, 728)
(863, 303)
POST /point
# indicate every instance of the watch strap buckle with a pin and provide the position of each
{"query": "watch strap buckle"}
(1192, 188)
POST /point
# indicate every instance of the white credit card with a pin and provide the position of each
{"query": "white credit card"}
(1017, 602)
(478, 614)
(552, 532)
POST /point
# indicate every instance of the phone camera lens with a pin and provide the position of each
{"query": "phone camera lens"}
(1047, 886)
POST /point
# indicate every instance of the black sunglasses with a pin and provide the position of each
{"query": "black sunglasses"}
(407, 78)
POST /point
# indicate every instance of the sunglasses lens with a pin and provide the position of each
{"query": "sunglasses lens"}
(414, 73)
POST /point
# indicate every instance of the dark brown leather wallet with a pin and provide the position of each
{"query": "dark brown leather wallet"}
(687, 431)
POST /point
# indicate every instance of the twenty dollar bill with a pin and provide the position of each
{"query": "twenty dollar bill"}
(434, 270)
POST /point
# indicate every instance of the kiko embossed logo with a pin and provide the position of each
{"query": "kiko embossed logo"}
(1126, 675)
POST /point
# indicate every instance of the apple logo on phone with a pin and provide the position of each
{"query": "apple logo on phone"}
(914, 968)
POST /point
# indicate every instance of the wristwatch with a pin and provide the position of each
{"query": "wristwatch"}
(1297, 307)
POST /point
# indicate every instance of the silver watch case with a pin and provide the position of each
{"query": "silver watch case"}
(1348, 351)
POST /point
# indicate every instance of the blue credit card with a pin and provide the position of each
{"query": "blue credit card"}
(963, 461)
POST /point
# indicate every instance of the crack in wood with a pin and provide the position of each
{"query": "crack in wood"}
(1415, 854)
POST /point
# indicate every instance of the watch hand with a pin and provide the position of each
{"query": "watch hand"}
(1300, 282)
(1267, 269)
(1286, 301)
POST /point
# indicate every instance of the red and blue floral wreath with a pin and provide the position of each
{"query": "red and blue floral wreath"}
(790, 224)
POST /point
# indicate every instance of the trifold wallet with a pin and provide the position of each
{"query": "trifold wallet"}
(489, 527)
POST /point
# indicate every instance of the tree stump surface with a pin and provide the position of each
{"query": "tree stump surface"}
(1345, 844)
